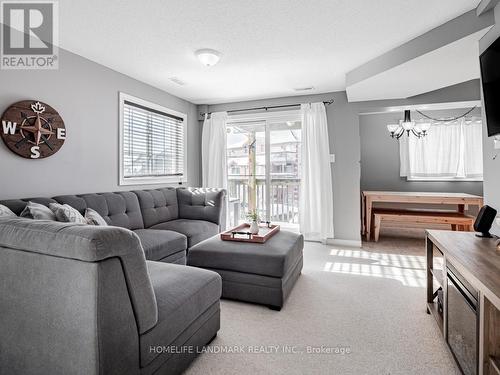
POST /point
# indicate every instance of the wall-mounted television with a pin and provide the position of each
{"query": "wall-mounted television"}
(490, 77)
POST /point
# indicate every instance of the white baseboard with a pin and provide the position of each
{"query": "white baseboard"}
(339, 242)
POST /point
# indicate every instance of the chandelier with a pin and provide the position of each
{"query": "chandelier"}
(409, 127)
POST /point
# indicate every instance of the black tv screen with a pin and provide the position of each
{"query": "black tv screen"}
(490, 76)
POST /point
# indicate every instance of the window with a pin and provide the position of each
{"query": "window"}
(264, 161)
(152, 143)
(450, 152)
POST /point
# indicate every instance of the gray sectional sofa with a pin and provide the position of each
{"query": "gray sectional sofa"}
(81, 299)
(168, 221)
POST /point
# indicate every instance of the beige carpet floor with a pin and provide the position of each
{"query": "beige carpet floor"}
(365, 306)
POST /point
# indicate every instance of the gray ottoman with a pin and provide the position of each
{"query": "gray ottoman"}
(259, 273)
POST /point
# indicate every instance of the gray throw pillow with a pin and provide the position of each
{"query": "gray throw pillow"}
(38, 211)
(67, 214)
(5, 211)
(93, 218)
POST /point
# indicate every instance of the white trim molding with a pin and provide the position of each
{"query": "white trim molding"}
(339, 242)
(291, 115)
(422, 107)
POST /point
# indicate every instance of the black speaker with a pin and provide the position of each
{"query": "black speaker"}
(484, 220)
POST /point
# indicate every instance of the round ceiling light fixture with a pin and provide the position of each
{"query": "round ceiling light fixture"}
(208, 57)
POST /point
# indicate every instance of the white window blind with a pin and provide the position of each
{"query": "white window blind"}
(152, 144)
(450, 152)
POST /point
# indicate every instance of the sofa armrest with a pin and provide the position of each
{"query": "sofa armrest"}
(88, 243)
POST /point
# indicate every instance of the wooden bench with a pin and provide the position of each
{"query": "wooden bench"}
(457, 220)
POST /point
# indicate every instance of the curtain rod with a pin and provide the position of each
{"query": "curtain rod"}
(266, 108)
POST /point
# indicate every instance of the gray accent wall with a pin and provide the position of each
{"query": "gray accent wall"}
(380, 156)
(86, 96)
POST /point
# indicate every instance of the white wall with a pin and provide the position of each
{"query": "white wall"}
(86, 96)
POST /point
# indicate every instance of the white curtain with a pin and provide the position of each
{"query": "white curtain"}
(449, 152)
(316, 193)
(404, 163)
(473, 134)
(213, 151)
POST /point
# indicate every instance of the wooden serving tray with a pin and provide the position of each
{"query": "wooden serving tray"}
(241, 233)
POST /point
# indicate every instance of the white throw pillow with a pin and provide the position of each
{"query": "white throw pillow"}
(6, 211)
(38, 211)
(93, 218)
(67, 214)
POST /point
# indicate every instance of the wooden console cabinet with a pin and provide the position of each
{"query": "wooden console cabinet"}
(478, 262)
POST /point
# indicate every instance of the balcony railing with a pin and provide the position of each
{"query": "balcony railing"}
(283, 202)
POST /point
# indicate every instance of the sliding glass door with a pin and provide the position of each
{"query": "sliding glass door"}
(284, 172)
(246, 163)
(264, 169)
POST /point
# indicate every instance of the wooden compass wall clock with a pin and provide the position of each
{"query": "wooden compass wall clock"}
(32, 129)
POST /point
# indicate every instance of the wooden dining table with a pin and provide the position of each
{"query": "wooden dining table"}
(462, 200)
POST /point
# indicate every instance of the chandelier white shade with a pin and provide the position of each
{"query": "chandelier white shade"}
(409, 127)
(392, 128)
(208, 57)
(425, 126)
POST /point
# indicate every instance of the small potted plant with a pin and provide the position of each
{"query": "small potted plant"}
(253, 217)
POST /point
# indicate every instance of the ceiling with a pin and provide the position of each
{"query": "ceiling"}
(454, 63)
(269, 47)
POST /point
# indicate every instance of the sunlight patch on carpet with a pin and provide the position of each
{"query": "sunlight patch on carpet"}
(407, 269)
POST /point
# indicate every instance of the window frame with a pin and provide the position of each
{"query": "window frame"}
(444, 179)
(143, 180)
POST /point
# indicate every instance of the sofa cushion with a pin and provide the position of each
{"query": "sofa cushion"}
(120, 209)
(158, 205)
(159, 244)
(182, 295)
(201, 204)
(195, 230)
